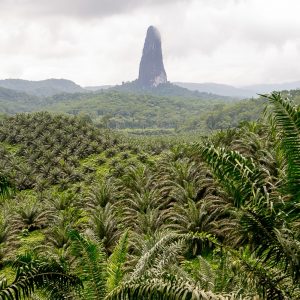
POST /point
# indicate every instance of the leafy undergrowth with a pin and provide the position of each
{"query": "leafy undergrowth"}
(30, 240)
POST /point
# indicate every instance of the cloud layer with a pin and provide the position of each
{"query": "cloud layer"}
(100, 41)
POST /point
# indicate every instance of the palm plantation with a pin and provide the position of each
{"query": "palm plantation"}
(88, 215)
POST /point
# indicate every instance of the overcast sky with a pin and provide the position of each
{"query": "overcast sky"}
(95, 42)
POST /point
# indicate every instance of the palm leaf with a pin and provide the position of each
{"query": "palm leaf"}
(165, 248)
(238, 175)
(169, 288)
(37, 274)
(271, 283)
(116, 262)
(91, 265)
(287, 120)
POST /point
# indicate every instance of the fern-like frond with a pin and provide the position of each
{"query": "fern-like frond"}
(36, 274)
(152, 256)
(238, 175)
(92, 266)
(272, 283)
(116, 262)
(170, 288)
(287, 120)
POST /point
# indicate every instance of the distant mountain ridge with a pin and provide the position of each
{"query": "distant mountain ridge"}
(267, 88)
(50, 87)
(240, 92)
(217, 88)
(42, 88)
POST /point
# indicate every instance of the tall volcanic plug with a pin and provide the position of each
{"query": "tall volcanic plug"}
(152, 71)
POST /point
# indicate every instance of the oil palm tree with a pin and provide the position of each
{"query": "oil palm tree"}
(31, 216)
(103, 192)
(8, 239)
(105, 227)
(156, 272)
(263, 214)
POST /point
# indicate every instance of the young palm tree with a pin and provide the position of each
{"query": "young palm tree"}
(157, 275)
(104, 225)
(193, 218)
(104, 192)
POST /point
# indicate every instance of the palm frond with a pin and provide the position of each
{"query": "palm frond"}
(116, 262)
(170, 288)
(287, 119)
(238, 175)
(33, 274)
(271, 283)
(91, 265)
(166, 244)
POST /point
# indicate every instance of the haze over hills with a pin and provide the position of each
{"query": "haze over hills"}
(241, 92)
(18, 88)
(209, 88)
(8, 94)
(42, 88)
(217, 88)
(267, 88)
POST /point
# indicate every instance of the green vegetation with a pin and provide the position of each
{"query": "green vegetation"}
(137, 111)
(125, 110)
(88, 213)
(165, 110)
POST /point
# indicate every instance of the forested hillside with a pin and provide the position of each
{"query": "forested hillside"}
(122, 110)
(12, 101)
(137, 111)
(42, 88)
(89, 213)
(144, 113)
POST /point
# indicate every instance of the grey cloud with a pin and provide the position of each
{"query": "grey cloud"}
(233, 41)
(77, 8)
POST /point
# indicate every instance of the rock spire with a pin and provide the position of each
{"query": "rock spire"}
(152, 71)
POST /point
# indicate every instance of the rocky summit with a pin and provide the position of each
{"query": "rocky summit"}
(152, 72)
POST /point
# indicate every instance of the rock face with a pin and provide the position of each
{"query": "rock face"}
(152, 71)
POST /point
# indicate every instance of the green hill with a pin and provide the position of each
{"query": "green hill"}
(143, 112)
(136, 111)
(12, 101)
(42, 88)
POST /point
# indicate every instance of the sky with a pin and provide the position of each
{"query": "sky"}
(97, 42)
